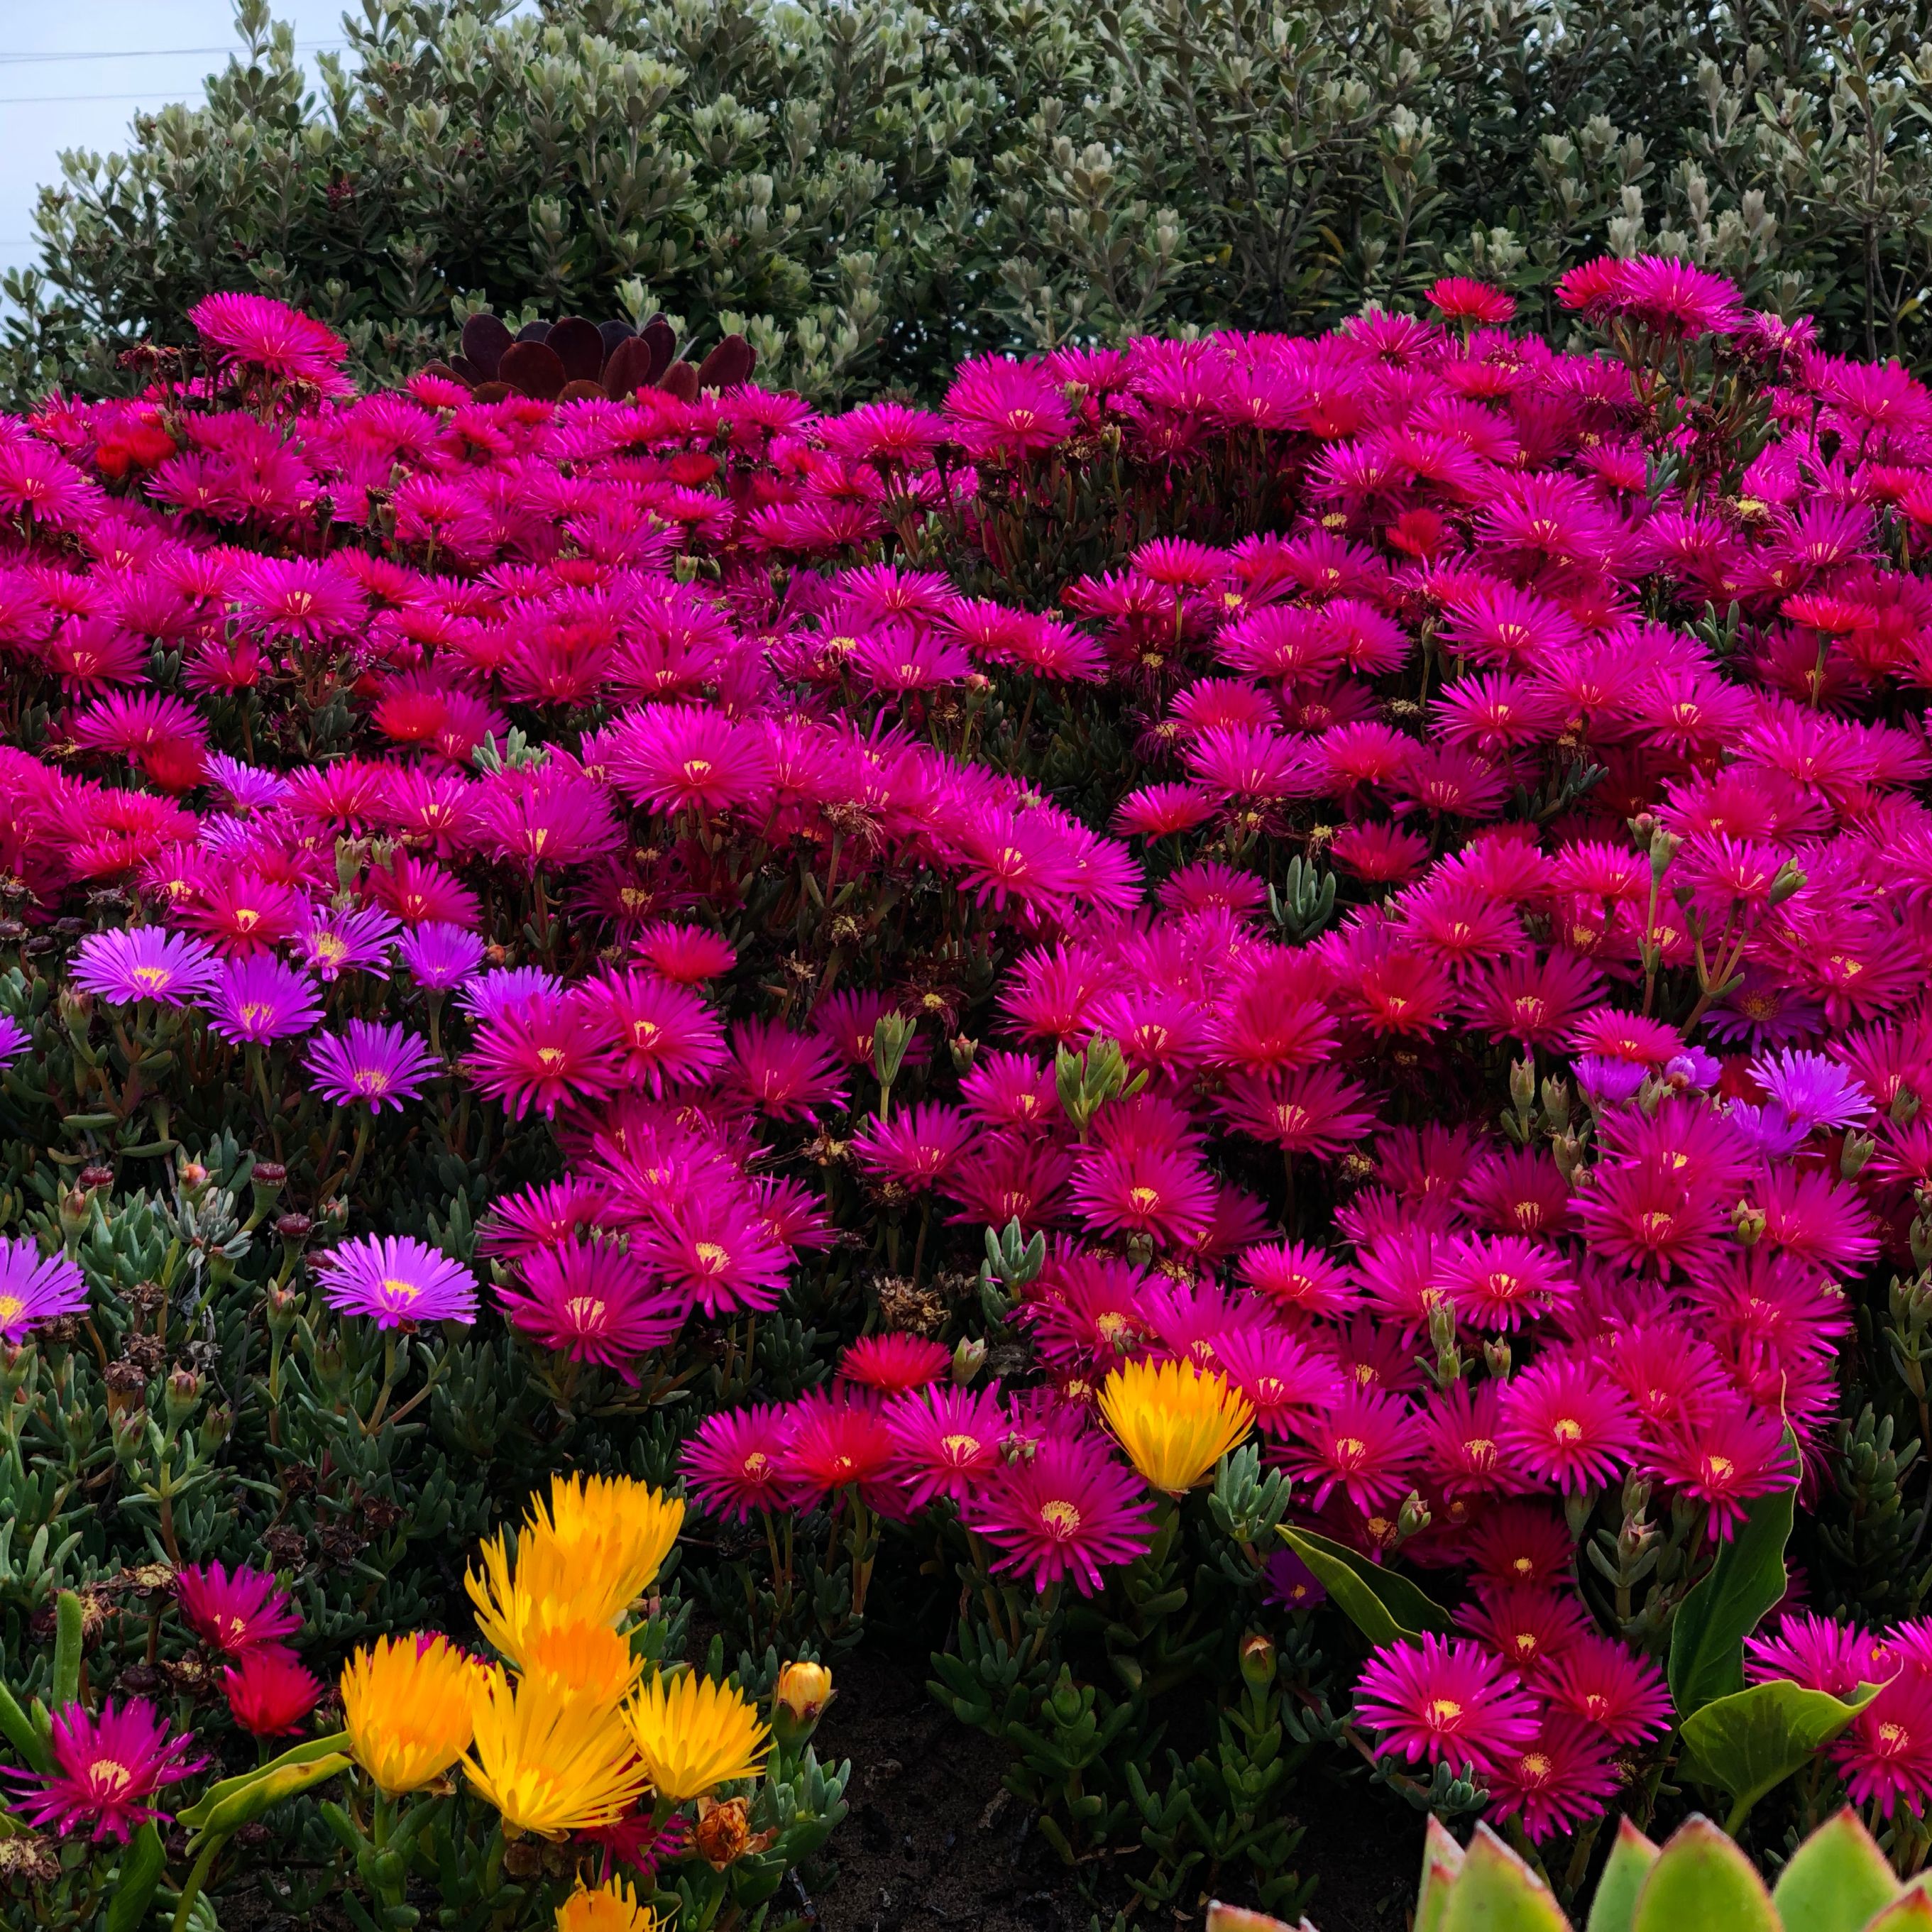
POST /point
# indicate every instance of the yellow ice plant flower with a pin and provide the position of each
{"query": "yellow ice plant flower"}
(590, 1662)
(407, 1706)
(695, 1734)
(624, 1528)
(1175, 1421)
(610, 1908)
(551, 1764)
(584, 1559)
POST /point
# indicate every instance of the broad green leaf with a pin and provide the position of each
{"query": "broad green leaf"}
(197, 1814)
(243, 1807)
(1912, 1913)
(141, 1866)
(1701, 1880)
(1386, 1608)
(1707, 1642)
(1752, 1741)
(1495, 1892)
(1836, 1879)
(1441, 1860)
(1624, 1871)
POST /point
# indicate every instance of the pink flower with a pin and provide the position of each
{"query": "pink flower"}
(735, 1463)
(945, 1441)
(1566, 1425)
(1562, 1778)
(106, 1767)
(1447, 1701)
(236, 1613)
(269, 334)
(591, 1301)
(1066, 1512)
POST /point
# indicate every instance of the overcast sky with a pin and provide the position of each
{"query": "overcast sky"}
(73, 75)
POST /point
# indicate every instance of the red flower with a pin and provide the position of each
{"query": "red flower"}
(269, 1694)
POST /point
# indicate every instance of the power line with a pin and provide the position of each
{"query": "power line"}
(49, 100)
(156, 53)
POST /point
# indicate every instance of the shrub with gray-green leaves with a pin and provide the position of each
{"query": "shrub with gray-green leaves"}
(872, 192)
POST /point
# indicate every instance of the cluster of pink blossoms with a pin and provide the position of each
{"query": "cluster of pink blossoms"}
(1678, 872)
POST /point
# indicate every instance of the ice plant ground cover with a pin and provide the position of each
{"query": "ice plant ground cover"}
(1234, 1027)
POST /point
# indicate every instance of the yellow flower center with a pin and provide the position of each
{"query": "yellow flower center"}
(1567, 1429)
(1059, 1518)
(711, 1257)
(586, 1311)
(108, 1776)
(1444, 1711)
(402, 1291)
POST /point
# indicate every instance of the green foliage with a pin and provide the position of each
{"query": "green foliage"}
(1707, 1639)
(872, 192)
(1386, 1607)
(1838, 1880)
(1751, 1741)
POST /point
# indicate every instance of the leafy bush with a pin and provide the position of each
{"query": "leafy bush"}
(1234, 1033)
(874, 192)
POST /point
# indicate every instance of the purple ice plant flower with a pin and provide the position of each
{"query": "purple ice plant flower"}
(35, 1288)
(370, 1061)
(347, 942)
(145, 963)
(261, 998)
(397, 1281)
(439, 955)
(1813, 1091)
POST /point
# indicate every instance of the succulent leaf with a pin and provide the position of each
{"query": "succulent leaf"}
(1836, 1879)
(1702, 1882)
(1496, 1891)
(1624, 1871)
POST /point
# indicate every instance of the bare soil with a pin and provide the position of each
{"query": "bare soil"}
(935, 1843)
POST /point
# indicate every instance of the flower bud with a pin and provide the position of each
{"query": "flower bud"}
(281, 1305)
(968, 1359)
(798, 1700)
(1257, 1661)
(1523, 1084)
(1496, 1358)
(97, 1176)
(1414, 1517)
(182, 1396)
(266, 1180)
(193, 1177)
(964, 1052)
(1858, 1148)
(76, 1210)
(1748, 1224)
